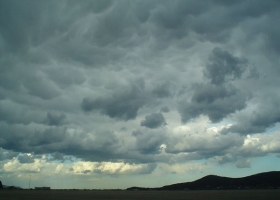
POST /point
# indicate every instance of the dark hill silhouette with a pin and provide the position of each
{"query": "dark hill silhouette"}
(262, 180)
(1, 186)
(258, 181)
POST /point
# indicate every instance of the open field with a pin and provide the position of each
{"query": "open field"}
(135, 195)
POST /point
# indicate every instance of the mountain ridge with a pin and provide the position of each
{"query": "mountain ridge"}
(255, 181)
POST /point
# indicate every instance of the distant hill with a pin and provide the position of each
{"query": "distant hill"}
(257, 181)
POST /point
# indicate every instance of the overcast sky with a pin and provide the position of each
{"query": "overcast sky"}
(113, 94)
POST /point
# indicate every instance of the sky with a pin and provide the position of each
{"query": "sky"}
(113, 94)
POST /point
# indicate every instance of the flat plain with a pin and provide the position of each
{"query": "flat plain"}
(135, 195)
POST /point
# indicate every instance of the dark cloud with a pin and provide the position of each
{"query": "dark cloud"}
(58, 141)
(17, 114)
(55, 119)
(164, 109)
(7, 155)
(259, 121)
(57, 156)
(48, 136)
(122, 105)
(41, 88)
(154, 120)
(15, 30)
(214, 101)
(220, 98)
(149, 142)
(162, 91)
(97, 6)
(66, 76)
(253, 73)
(25, 159)
(74, 73)
(23, 139)
(223, 67)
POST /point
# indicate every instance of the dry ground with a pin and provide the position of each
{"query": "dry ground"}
(141, 195)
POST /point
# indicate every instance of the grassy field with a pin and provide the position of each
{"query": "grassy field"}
(135, 195)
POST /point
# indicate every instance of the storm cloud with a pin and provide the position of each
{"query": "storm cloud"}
(120, 105)
(126, 88)
(214, 101)
(224, 67)
(154, 120)
(55, 119)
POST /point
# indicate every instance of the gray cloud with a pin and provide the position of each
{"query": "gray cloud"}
(226, 159)
(223, 67)
(149, 142)
(4, 154)
(148, 169)
(162, 91)
(214, 101)
(154, 120)
(164, 109)
(48, 136)
(220, 98)
(122, 105)
(73, 74)
(13, 113)
(57, 156)
(25, 159)
(204, 145)
(55, 119)
(244, 163)
(38, 87)
(257, 122)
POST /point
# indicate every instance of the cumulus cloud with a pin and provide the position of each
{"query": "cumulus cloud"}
(264, 117)
(214, 101)
(220, 98)
(123, 105)
(149, 142)
(25, 158)
(26, 167)
(207, 143)
(110, 168)
(154, 120)
(223, 67)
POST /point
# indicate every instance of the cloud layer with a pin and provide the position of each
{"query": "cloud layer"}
(141, 86)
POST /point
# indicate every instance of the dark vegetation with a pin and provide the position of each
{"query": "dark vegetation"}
(267, 180)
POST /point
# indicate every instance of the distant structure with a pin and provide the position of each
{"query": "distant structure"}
(1, 186)
(42, 188)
